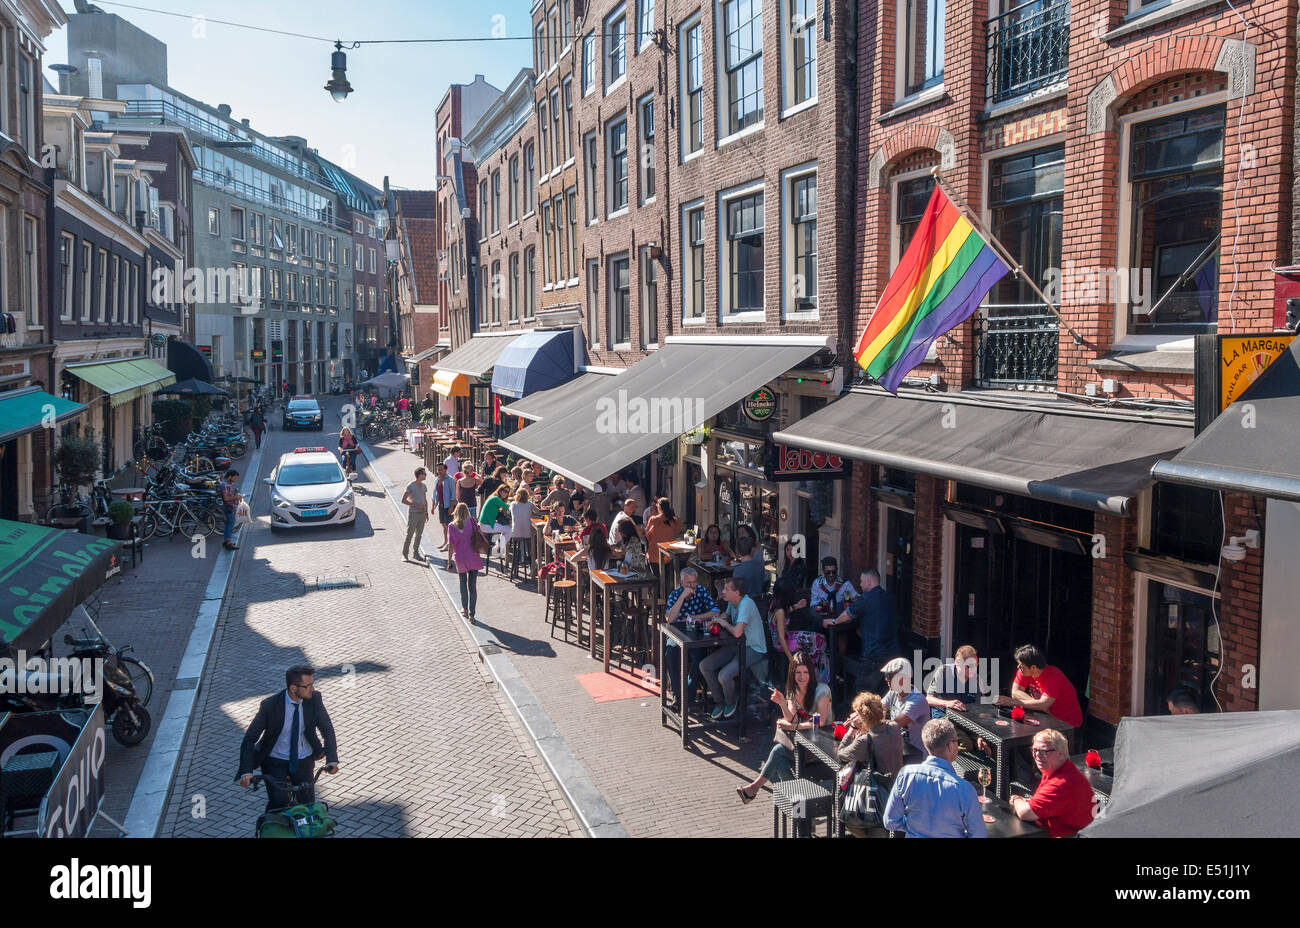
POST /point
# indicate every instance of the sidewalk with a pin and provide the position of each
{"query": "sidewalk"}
(654, 787)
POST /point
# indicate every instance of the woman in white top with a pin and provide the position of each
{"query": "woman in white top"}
(521, 514)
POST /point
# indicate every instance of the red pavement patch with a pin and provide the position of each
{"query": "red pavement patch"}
(618, 684)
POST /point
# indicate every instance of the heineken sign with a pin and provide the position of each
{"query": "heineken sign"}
(760, 405)
(783, 463)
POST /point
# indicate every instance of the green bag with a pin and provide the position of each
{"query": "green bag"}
(300, 821)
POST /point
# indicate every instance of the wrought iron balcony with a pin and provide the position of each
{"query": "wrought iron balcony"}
(1016, 345)
(1028, 48)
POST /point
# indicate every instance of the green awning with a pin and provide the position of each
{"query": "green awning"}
(125, 380)
(23, 411)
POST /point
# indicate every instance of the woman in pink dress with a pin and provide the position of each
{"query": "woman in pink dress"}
(460, 534)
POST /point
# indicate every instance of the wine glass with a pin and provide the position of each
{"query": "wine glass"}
(985, 777)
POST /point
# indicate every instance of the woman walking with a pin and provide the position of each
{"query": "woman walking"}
(257, 422)
(468, 561)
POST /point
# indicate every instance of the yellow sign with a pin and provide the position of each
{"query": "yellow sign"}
(1242, 359)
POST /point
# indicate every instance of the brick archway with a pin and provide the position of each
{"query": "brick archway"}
(912, 138)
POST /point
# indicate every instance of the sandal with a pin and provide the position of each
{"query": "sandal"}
(744, 795)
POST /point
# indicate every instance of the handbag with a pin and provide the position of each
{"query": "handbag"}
(863, 806)
(480, 541)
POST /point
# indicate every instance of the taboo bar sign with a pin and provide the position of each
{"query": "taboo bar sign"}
(783, 463)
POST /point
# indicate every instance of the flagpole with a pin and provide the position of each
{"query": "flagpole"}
(1016, 268)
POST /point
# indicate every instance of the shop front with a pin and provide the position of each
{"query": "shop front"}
(465, 376)
(120, 394)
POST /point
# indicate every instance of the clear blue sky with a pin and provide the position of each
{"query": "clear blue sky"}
(276, 82)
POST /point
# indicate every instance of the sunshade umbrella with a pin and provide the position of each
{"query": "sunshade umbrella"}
(1229, 775)
(45, 573)
(194, 387)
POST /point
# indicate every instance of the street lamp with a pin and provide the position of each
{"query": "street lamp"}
(338, 86)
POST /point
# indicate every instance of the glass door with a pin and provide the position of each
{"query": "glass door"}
(1183, 645)
(896, 569)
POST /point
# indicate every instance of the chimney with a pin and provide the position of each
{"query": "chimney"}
(244, 122)
(224, 109)
(65, 72)
(95, 75)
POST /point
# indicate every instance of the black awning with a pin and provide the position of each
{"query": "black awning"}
(1073, 456)
(45, 573)
(187, 362)
(1254, 444)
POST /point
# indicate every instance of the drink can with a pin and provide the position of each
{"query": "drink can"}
(817, 720)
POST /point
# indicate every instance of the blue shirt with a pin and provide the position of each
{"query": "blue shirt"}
(929, 800)
(699, 603)
(747, 612)
(912, 705)
(877, 622)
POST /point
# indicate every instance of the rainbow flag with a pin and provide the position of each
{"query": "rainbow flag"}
(945, 273)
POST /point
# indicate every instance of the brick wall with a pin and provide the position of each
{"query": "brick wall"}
(1240, 607)
(513, 239)
(564, 175)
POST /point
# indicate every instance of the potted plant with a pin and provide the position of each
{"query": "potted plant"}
(77, 460)
(120, 514)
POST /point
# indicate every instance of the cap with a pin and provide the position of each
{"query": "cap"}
(897, 665)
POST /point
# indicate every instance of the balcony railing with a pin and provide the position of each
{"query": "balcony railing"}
(1028, 48)
(1016, 345)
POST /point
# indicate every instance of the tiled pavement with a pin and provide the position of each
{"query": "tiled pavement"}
(429, 747)
(655, 788)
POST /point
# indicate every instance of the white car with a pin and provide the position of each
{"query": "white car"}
(309, 488)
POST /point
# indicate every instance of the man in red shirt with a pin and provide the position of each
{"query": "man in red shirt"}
(1041, 687)
(1063, 802)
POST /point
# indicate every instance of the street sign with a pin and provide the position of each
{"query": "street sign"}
(1226, 366)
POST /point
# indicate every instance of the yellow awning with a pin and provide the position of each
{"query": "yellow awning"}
(450, 383)
(126, 379)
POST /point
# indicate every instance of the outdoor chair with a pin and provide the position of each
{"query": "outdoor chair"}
(521, 557)
(560, 604)
(796, 804)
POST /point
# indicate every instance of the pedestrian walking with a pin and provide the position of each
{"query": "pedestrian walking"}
(230, 500)
(403, 404)
(290, 732)
(416, 499)
(444, 495)
(468, 561)
(257, 422)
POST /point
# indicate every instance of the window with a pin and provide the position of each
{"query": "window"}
(236, 224)
(291, 242)
(498, 284)
(67, 251)
(566, 24)
(332, 291)
(548, 228)
(591, 174)
(802, 245)
(618, 309)
(361, 299)
(512, 195)
(530, 281)
(544, 138)
(277, 239)
(373, 265)
(514, 288)
(496, 201)
(87, 257)
(617, 169)
(115, 312)
(101, 307)
(557, 136)
(553, 35)
(560, 249)
(744, 225)
(360, 262)
(124, 286)
(921, 35)
(593, 302)
(743, 63)
(567, 90)
(372, 299)
(1175, 192)
(588, 63)
(291, 287)
(539, 48)
(693, 280)
(320, 246)
(645, 20)
(257, 229)
(572, 196)
(330, 254)
(910, 202)
(26, 105)
(274, 291)
(319, 291)
(615, 46)
(483, 291)
(646, 163)
(1026, 200)
(214, 220)
(693, 88)
(530, 178)
(800, 75)
(649, 298)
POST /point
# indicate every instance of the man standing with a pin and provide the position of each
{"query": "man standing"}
(1063, 802)
(872, 616)
(749, 566)
(452, 461)
(721, 669)
(403, 404)
(444, 495)
(283, 739)
(230, 500)
(416, 500)
(929, 800)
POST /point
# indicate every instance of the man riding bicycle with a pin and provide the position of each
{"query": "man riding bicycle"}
(283, 739)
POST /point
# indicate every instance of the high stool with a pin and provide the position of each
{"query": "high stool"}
(560, 600)
(521, 557)
(800, 802)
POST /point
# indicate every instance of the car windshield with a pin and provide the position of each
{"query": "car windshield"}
(303, 406)
(301, 475)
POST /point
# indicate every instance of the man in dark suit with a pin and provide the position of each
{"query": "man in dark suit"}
(283, 739)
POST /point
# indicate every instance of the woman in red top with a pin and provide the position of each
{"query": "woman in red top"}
(1063, 802)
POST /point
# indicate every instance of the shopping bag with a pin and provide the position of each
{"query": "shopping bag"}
(243, 515)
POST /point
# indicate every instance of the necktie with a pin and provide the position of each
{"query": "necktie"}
(293, 741)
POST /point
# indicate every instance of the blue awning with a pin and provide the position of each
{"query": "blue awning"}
(534, 361)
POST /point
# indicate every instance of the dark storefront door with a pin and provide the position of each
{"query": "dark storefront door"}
(897, 573)
(9, 481)
(1009, 592)
(1183, 646)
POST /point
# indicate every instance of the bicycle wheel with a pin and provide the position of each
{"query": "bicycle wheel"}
(190, 523)
(148, 523)
(141, 678)
(63, 511)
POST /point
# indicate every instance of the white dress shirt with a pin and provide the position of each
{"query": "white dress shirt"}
(281, 749)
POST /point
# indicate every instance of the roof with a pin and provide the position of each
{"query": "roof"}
(309, 457)
(422, 204)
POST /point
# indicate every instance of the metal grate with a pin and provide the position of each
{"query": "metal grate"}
(1016, 345)
(1028, 48)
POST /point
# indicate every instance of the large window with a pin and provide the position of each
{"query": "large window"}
(1176, 189)
(921, 37)
(530, 281)
(591, 173)
(514, 287)
(744, 228)
(800, 30)
(615, 46)
(593, 302)
(588, 63)
(649, 298)
(560, 249)
(743, 64)
(512, 197)
(557, 129)
(214, 220)
(646, 162)
(544, 138)
(1025, 211)
(693, 279)
(617, 168)
(910, 199)
(236, 223)
(539, 48)
(645, 23)
(692, 88)
(548, 229)
(87, 258)
(115, 314)
(497, 285)
(67, 254)
(620, 317)
(802, 242)
(571, 196)
(530, 178)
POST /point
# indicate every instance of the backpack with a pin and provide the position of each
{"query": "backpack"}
(301, 821)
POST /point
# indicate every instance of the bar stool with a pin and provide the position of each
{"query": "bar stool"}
(800, 802)
(521, 553)
(562, 594)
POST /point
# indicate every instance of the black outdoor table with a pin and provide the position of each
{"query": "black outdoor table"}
(985, 721)
(1099, 779)
(1006, 824)
(690, 641)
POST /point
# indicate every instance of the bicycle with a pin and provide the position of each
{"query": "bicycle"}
(296, 820)
(175, 514)
(71, 505)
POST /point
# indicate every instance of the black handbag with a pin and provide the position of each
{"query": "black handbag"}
(863, 805)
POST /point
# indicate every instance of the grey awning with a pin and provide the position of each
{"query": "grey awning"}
(424, 355)
(678, 387)
(1254, 444)
(541, 404)
(476, 356)
(1076, 458)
